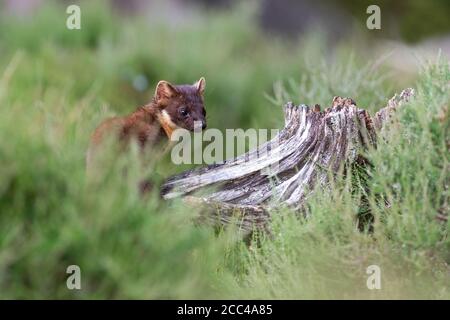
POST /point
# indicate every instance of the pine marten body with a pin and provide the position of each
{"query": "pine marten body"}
(172, 107)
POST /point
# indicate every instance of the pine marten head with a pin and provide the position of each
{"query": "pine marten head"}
(181, 106)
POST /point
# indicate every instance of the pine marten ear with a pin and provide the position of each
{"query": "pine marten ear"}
(200, 85)
(165, 90)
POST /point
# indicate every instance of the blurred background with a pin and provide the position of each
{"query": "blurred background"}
(57, 85)
(245, 49)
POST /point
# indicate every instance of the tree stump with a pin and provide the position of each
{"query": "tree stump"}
(283, 171)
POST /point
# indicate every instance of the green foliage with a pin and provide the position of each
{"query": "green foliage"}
(412, 168)
(325, 255)
(411, 20)
(56, 86)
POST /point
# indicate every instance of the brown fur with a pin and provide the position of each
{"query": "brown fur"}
(172, 107)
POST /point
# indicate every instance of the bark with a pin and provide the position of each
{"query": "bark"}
(284, 171)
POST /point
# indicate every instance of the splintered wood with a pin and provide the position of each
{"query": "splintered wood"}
(285, 170)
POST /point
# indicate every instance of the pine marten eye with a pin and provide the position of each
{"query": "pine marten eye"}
(184, 112)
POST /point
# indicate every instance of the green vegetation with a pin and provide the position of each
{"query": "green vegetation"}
(56, 85)
(407, 18)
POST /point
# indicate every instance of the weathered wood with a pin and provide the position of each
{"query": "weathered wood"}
(284, 170)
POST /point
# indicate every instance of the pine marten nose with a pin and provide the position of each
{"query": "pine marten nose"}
(199, 124)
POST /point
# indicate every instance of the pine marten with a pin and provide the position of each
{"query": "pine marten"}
(172, 107)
